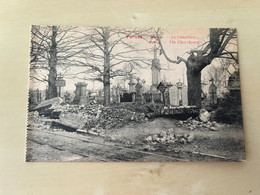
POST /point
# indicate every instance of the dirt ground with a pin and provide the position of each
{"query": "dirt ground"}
(128, 144)
(227, 142)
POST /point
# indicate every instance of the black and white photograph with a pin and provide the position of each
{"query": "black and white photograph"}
(114, 94)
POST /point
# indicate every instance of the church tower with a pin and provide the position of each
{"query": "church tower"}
(156, 74)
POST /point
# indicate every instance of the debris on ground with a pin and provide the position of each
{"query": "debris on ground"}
(193, 124)
(49, 102)
(170, 137)
(204, 115)
(35, 121)
(94, 115)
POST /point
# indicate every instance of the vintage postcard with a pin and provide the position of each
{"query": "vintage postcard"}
(134, 94)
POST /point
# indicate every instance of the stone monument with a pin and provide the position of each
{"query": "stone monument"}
(156, 74)
(173, 95)
(80, 93)
(212, 92)
(59, 83)
(131, 84)
(138, 90)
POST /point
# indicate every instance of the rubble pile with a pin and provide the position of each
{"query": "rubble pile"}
(172, 110)
(193, 124)
(35, 121)
(110, 117)
(97, 116)
(170, 137)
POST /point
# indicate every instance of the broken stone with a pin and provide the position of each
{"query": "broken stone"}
(213, 129)
(92, 133)
(50, 102)
(183, 141)
(170, 137)
(172, 141)
(154, 137)
(112, 139)
(149, 139)
(147, 147)
(158, 139)
(163, 140)
(185, 135)
(162, 134)
(189, 119)
(204, 115)
(81, 131)
(191, 128)
(194, 122)
(176, 151)
(190, 138)
(214, 123)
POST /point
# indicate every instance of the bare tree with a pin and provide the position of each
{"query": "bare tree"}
(220, 72)
(107, 51)
(220, 40)
(51, 47)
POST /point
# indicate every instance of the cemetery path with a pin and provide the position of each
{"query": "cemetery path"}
(75, 147)
(60, 145)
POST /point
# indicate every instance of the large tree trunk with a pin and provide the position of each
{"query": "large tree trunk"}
(106, 76)
(194, 87)
(106, 85)
(52, 89)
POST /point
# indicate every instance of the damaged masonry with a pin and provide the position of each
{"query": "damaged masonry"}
(142, 111)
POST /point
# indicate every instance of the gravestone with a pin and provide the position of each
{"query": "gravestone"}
(212, 92)
(131, 85)
(234, 82)
(35, 97)
(184, 95)
(167, 97)
(67, 97)
(157, 97)
(179, 92)
(234, 87)
(80, 93)
(133, 97)
(113, 95)
(59, 83)
(118, 94)
(99, 96)
(138, 96)
(173, 92)
(162, 88)
(148, 97)
(167, 94)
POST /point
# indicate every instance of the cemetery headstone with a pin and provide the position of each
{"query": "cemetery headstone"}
(131, 85)
(80, 93)
(162, 87)
(59, 83)
(212, 92)
(173, 96)
(185, 95)
(138, 90)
